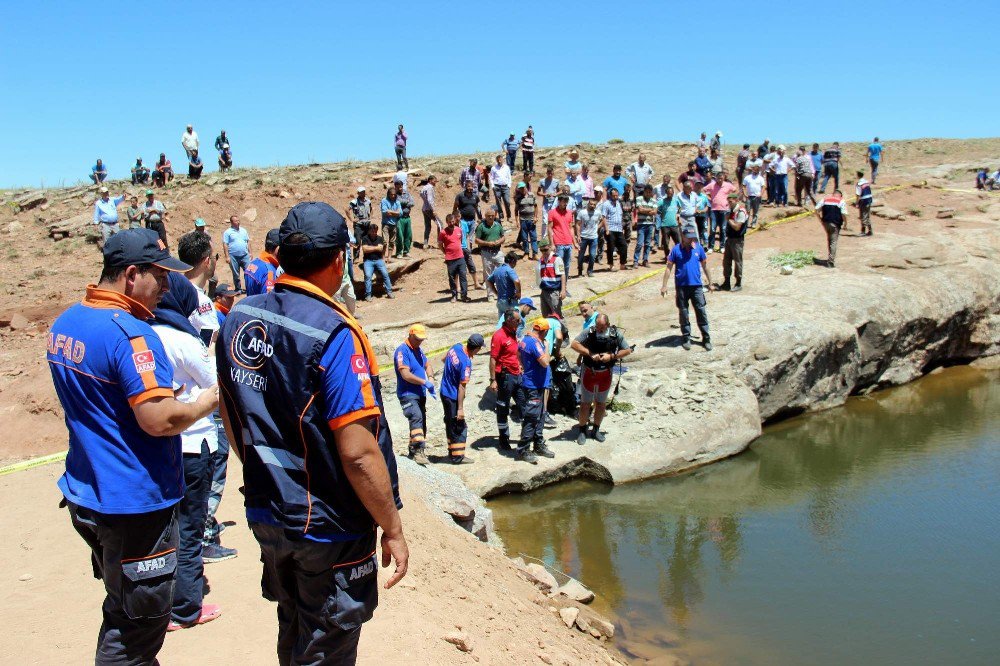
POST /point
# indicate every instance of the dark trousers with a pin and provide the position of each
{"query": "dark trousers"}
(588, 252)
(733, 256)
(803, 185)
(532, 409)
(220, 465)
(511, 159)
(428, 223)
(401, 160)
(159, 228)
(617, 243)
(666, 235)
(718, 228)
(415, 411)
(832, 235)
(701, 221)
(136, 557)
(529, 237)
(770, 188)
(528, 160)
(455, 429)
(753, 208)
(191, 524)
(830, 170)
(601, 240)
(865, 214)
(360, 229)
(508, 388)
(692, 295)
(457, 269)
(325, 592)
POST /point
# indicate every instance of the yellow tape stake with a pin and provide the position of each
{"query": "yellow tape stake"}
(34, 462)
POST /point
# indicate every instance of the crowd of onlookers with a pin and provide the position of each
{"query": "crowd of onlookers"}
(163, 171)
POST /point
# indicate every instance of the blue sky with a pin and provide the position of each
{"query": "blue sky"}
(295, 82)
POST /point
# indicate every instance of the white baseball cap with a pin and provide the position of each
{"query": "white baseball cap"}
(361, 189)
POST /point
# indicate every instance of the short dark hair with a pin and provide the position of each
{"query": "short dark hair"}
(193, 247)
(512, 259)
(301, 261)
(511, 314)
(113, 273)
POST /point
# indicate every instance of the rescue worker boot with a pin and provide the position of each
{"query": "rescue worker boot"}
(503, 443)
(542, 450)
(524, 454)
(419, 456)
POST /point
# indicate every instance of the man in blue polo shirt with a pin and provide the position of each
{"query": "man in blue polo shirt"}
(506, 282)
(454, 380)
(524, 306)
(874, 157)
(413, 380)
(124, 473)
(690, 260)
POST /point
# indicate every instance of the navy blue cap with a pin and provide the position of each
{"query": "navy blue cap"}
(139, 247)
(273, 238)
(319, 222)
(475, 341)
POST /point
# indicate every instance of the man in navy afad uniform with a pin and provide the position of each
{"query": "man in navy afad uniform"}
(302, 403)
(124, 473)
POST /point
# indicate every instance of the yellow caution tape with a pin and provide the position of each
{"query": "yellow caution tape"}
(34, 462)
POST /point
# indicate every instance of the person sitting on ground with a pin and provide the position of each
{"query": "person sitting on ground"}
(373, 253)
(993, 182)
(260, 274)
(455, 378)
(164, 172)
(225, 158)
(195, 166)
(600, 347)
(98, 173)
(140, 173)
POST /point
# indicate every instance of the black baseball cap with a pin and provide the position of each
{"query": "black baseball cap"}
(139, 247)
(318, 221)
(475, 341)
(223, 289)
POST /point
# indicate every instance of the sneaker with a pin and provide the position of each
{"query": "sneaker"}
(549, 421)
(686, 345)
(419, 456)
(389, 296)
(597, 434)
(527, 456)
(738, 287)
(708, 345)
(543, 450)
(368, 298)
(215, 552)
(725, 286)
(581, 437)
(709, 251)
(209, 612)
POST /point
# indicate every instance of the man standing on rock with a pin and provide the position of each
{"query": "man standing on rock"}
(733, 250)
(294, 361)
(413, 381)
(189, 141)
(106, 214)
(831, 167)
(753, 188)
(359, 213)
(236, 247)
(863, 190)
(535, 376)
(400, 145)
(500, 178)
(551, 279)
(832, 213)
(405, 225)
(600, 346)
(391, 212)
(690, 260)
(528, 150)
(454, 380)
(124, 475)
(450, 242)
(505, 372)
(153, 213)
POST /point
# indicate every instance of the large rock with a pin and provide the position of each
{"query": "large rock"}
(569, 615)
(30, 200)
(574, 590)
(540, 576)
(447, 492)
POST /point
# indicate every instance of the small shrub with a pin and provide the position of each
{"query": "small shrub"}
(621, 406)
(915, 212)
(616, 141)
(796, 259)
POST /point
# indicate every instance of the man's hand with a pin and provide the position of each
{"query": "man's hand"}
(460, 414)
(663, 292)
(395, 548)
(492, 386)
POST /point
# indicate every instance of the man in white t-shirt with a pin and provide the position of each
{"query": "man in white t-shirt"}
(500, 179)
(194, 373)
(189, 140)
(197, 247)
(753, 187)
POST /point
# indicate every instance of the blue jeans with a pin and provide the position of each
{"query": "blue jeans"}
(643, 239)
(189, 585)
(237, 265)
(511, 159)
(565, 252)
(371, 265)
(529, 237)
(718, 224)
(546, 207)
(781, 189)
(220, 465)
(588, 249)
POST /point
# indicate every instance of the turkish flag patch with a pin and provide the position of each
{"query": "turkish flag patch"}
(359, 365)
(144, 361)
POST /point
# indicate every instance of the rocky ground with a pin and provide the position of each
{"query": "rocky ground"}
(922, 292)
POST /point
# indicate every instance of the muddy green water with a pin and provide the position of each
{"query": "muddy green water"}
(868, 534)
